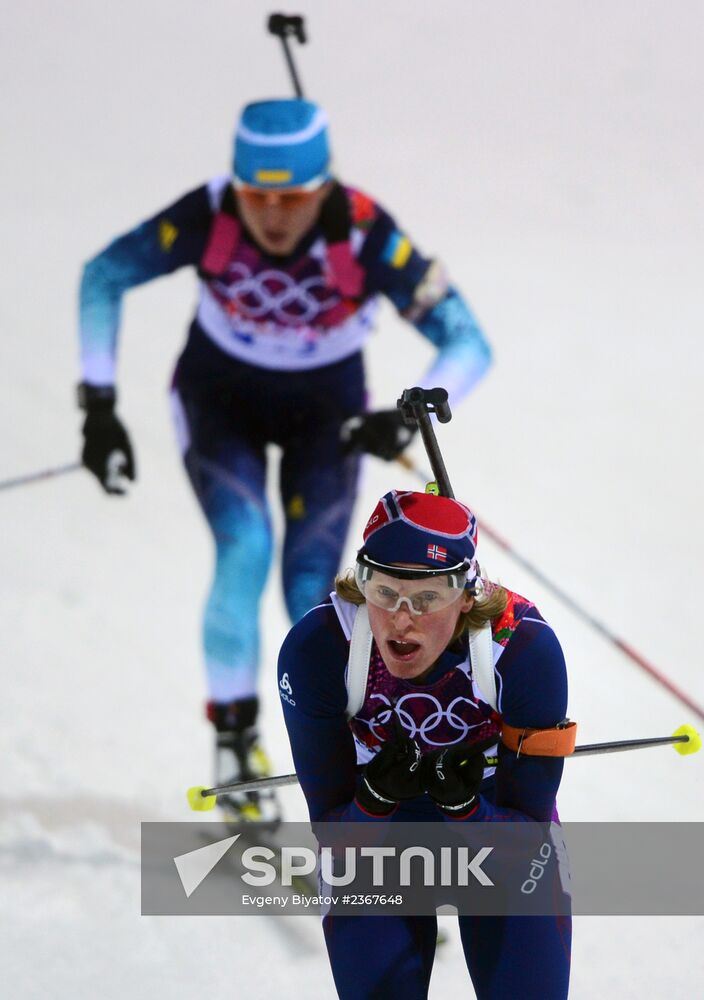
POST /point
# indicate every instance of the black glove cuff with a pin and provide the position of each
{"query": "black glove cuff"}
(460, 808)
(96, 398)
(372, 802)
(460, 811)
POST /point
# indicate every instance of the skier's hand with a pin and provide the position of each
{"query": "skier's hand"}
(107, 451)
(382, 433)
(452, 776)
(392, 775)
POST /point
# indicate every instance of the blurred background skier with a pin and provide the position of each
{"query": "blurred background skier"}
(291, 263)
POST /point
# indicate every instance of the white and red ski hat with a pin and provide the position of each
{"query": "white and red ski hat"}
(431, 531)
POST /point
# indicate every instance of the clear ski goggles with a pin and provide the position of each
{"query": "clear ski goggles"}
(422, 592)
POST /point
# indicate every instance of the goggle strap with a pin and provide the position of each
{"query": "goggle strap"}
(369, 565)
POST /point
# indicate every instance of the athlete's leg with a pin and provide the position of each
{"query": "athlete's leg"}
(227, 472)
(234, 506)
(381, 958)
(318, 483)
(526, 957)
(318, 488)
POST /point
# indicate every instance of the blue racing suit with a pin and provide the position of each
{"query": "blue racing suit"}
(522, 957)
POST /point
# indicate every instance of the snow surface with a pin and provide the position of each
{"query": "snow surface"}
(552, 153)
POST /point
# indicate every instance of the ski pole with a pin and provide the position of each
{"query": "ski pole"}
(562, 595)
(35, 477)
(284, 26)
(686, 740)
(202, 799)
(416, 405)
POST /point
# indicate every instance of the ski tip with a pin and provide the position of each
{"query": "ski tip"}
(694, 740)
(199, 802)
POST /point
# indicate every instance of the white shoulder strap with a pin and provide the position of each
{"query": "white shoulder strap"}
(358, 664)
(481, 654)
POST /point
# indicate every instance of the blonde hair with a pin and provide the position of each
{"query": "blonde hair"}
(489, 603)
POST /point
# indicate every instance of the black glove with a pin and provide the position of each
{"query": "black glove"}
(392, 775)
(383, 434)
(452, 776)
(107, 451)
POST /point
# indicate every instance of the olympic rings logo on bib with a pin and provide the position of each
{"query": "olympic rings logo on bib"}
(275, 295)
(438, 721)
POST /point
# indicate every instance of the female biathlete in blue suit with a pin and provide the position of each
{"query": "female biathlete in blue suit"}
(450, 662)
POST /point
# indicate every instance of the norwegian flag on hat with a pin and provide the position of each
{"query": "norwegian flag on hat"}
(421, 529)
(437, 552)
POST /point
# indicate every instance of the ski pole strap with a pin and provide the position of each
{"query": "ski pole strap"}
(556, 742)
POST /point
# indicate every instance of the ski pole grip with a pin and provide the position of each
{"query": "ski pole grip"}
(434, 401)
(284, 25)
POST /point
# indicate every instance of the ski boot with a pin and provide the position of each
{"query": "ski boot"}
(239, 756)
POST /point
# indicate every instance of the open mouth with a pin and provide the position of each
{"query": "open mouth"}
(403, 649)
(274, 236)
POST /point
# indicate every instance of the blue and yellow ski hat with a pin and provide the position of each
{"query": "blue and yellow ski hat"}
(282, 143)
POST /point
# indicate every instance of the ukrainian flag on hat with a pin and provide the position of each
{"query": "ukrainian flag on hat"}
(282, 143)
